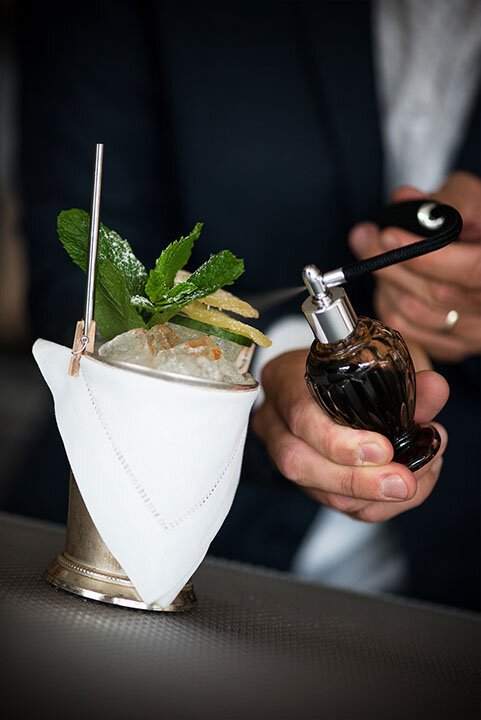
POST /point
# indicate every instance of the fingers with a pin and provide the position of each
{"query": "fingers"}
(417, 306)
(432, 393)
(431, 316)
(451, 296)
(304, 418)
(293, 411)
(419, 356)
(344, 468)
(458, 263)
(407, 192)
(368, 494)
(379, 512)
(411, 318)
(462, 190)
(444, 276)
(426, 479)
(441, 295)
(300, 463)
(365, 240)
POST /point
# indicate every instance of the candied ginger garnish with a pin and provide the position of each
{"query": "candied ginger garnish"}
(205, 347)
(197, 311)
(222, 299)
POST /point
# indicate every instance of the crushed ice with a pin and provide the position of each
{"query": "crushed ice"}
(178, 349)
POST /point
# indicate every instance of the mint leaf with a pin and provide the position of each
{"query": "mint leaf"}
(114, 312)
(73, 231)
(174, 299)
(219, 270)
(172, 259)
(141, 303)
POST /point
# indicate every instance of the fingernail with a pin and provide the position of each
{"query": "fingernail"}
(360, 238)
(393, 486)
(372, 453)
(389, 241)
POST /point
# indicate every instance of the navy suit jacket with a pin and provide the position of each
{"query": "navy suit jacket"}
(261, 120)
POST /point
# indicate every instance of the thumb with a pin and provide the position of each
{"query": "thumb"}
(463, 191)
(363, 240)
(407, 192)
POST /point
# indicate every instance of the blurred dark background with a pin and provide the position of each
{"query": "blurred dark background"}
(23, 395)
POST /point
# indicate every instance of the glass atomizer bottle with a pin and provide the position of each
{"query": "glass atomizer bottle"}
(359, 370)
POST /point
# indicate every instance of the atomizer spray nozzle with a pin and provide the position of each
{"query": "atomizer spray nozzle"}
(328, 311)
(317, 288)
(318, 283)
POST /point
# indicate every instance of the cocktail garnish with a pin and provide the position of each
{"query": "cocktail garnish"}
(129, 297)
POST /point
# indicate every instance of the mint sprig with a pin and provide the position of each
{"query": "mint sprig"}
(73, 231)
(173, 258)
(114, 312)
(219, 270)
(126, 296)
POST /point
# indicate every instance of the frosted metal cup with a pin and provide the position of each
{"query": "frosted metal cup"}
(86, 567)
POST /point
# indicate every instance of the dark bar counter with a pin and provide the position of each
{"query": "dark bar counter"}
(259, 645)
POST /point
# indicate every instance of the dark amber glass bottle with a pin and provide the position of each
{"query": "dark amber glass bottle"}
(367, 381)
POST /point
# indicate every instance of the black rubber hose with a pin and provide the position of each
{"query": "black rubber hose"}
(404, 215)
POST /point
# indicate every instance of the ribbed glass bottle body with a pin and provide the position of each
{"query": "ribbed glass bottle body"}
(367, 381)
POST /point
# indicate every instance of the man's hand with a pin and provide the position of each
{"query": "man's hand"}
(348, 470)
(416, 296)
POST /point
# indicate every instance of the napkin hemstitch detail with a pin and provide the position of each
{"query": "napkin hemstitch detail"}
(220, 477)
(122, 459)
(165, 525)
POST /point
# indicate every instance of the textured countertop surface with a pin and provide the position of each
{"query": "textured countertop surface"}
(258, 645)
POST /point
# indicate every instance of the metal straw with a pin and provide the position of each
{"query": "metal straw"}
(93, 238)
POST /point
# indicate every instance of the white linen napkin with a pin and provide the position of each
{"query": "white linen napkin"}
(157, 462)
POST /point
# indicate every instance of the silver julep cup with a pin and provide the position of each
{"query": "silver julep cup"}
(86, 567)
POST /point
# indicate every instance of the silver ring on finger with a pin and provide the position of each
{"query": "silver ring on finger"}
(450, 322)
